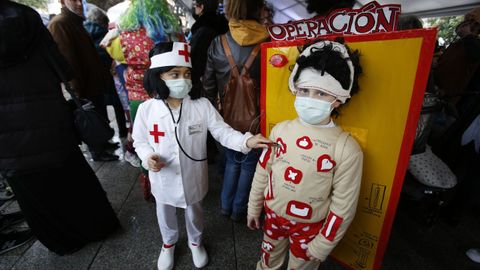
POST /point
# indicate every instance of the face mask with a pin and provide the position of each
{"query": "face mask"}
(313, 111)
(179, 88)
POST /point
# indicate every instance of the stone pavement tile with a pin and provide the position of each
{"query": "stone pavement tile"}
(247, 246)
(117, 169)
(218, 235)
(8, 260)
(118, 190)
(138, 244)
(39, 257)
(95, 165)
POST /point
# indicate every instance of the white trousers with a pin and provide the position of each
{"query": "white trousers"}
(167, 220)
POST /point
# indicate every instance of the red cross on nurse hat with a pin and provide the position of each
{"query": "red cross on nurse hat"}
(179, 56)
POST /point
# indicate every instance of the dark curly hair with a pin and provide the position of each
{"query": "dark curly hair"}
(154, 85)
(324, 7)
(209, 6)
(331, 61)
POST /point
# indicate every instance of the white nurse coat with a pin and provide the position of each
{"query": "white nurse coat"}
(182, 181)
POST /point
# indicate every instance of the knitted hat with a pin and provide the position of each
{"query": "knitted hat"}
(179, 56)
(312, 78)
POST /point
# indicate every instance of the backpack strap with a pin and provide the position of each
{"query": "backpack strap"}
(340, 146)
(228, 53)
(250, 59)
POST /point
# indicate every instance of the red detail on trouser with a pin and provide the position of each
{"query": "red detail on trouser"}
(299, 233)
(265, 258)
(331, 226)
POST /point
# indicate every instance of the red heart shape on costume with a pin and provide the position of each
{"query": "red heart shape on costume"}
(325, 163)
(293, 175)
(304, 142)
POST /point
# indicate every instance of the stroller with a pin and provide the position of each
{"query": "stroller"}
(429, 182)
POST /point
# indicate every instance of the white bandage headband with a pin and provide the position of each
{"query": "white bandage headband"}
(179, 56)
(312, 78)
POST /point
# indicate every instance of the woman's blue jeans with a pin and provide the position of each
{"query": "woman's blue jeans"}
(237, 180)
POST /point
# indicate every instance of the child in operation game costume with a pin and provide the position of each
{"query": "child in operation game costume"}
(309, 183)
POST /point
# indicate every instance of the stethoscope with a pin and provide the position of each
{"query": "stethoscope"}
(175, 123)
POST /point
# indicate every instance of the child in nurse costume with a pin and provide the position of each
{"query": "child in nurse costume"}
(170, 135)
(309, 184)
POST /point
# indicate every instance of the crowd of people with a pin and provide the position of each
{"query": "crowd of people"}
(172, 91)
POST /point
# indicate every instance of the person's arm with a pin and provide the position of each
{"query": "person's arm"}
(259, 184)
(229, 137)
(345, 191)
(67, 47)
(140, 138)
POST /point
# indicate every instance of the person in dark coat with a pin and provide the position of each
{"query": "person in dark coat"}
(90, 77)
(96, 25)
(58, 192)
(208, 24)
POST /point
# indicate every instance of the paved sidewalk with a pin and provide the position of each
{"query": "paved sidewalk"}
(230, 245)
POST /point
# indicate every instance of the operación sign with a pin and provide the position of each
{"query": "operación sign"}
(371, 18)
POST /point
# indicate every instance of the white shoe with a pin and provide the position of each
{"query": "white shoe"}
(132, 159)
(165, 260)
(474, 254)
(199, 255)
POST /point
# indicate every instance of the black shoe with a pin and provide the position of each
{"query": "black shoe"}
(104, 156)
(225, 213)
(7, 220)
(111, 146)
(238, 218)
(14, 239)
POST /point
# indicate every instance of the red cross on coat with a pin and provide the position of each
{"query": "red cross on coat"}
(156, 134)
(185, 53)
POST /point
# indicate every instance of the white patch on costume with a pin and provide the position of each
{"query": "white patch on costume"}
(299, 209)
(269, 232)
(330, 225)
(304, 142)
(267, 246)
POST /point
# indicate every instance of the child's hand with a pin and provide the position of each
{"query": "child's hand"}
(313, 258)
(155, 163)
(258, 141)
(253, 222)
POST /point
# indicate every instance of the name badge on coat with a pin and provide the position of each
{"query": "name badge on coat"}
(194, 129)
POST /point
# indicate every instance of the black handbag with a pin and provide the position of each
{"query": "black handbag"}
(92, 128)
